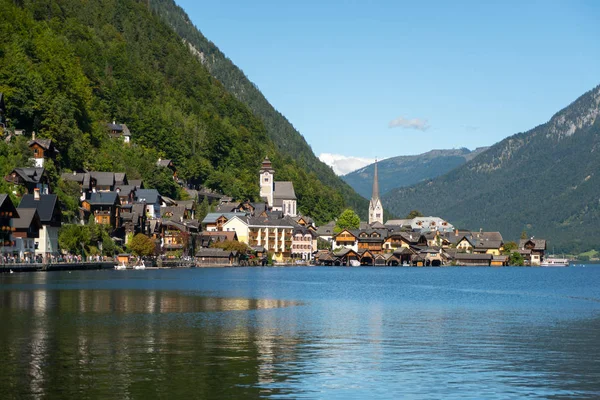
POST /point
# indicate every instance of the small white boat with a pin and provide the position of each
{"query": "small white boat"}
(140, 266)
(121, 266)
(354, 263)
(555, 262)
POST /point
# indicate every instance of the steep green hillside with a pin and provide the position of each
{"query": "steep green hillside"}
(286, 138)
(69, 66)
(545, 181)
(404, 171)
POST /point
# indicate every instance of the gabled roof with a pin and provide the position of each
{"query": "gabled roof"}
(214, 253)
(377, 225)
(538, 244)
(302, 230)
(188, 204)
(30, 175)
(104, 198)
(138, 183)
(227, 235)
(120, 178)
(43, 143)
(212, 218)
(45, 205)
(7, 205)
(103, 178)
(174, 213)
(352, 232)
(125, 190)
(257, 222)
(163, 163)
(115, 127)
(326, 230)
(284, 190)
(82, 178)
(150, 196)
(27, 216)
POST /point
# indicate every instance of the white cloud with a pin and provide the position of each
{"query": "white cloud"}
(413, 123)
(343, 165)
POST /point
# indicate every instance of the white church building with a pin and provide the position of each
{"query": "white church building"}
(280, 196)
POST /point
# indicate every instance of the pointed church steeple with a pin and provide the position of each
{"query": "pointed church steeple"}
(375, 206)
(375, 194)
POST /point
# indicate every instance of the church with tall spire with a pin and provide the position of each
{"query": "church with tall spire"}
(375, 206)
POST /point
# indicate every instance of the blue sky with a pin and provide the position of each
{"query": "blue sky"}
(386, 78)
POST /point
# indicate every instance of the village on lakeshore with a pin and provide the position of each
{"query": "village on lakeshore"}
(130, 221)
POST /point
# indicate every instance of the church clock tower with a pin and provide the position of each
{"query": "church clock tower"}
(375, 207)
(267, 185)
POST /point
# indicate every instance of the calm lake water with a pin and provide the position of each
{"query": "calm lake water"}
(430, 333)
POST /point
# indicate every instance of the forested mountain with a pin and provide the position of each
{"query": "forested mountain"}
(287, 139)
(545, 181)
(404, 171)
(68, 67)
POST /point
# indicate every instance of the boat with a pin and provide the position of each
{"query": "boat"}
(354, 263)
(121, 266)
(555, 262)
(140, 266)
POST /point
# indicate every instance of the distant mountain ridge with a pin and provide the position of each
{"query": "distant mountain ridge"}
(545, 181)
(404, 171)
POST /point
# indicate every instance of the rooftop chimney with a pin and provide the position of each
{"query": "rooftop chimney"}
(36, 194)
(33, 135)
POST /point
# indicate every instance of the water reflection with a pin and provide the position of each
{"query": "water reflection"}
(134, 343)
(127, 302)
(380, 335)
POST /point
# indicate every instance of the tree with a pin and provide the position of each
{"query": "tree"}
(509, 247)
(348, 219)
(231, 245)
(71, 237)
(516, 259)
(161, 179)
(414, 214)
(524, 235)
(142, 245)
(323, 244)
(202, 209)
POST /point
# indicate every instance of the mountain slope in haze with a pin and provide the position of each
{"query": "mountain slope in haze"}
(286, 138)
(68, 67)
(545, 181)
(404, 171)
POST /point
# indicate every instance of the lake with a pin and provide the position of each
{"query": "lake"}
(302, 332)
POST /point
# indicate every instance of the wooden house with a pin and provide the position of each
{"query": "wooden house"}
(48, 209)
(42, 149)
(30, 179)
(26, 229)
(8, 213)
(537, 248)
(104, 207)
(371, 240)
(346, 239)
(208, 257)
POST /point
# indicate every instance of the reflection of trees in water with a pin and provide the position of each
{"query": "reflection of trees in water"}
(138, 343)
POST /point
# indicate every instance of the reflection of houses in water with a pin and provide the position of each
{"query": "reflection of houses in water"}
(80, 331)
(130, 301)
